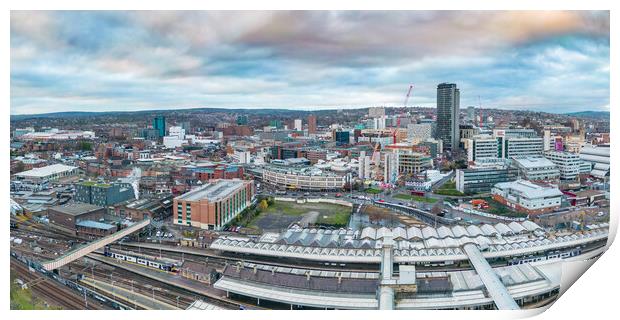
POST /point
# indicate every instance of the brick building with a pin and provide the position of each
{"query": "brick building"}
(213, 205)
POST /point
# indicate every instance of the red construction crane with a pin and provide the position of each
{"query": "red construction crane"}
(408, 95)
(405, 105)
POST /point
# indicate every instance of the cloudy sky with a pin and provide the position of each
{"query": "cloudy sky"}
(104, 61)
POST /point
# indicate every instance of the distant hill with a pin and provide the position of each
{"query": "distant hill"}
(590, 114)
(81, 114)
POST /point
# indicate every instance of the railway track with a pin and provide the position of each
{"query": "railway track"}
(36, 229)
(145, 287)
(172, 287)
(167, 292)
(53, 293)
(212, 256)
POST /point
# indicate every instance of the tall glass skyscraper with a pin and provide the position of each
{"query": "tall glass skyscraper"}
(159, 123)
(448, 100)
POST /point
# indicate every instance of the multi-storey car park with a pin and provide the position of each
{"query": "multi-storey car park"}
(302, 178)
(516, 265)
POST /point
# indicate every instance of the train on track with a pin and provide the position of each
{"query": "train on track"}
(163, 264)
(549, 256)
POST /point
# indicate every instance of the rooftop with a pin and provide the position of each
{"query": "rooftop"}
(94, 225)
(76, 208)
(213, 191)
(534, 162)
(529, 189)
(46, 171)
(589, 193)
(96, 184)
(415, 246)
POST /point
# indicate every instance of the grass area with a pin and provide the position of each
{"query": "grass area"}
(501, 210)
(284, 207)
(409, 197)
(338, 219)
(373, 190)
(281, 213)
(24, 300)
(449, 189)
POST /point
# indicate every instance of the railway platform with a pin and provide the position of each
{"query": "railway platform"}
(131, 298)
(170, 279)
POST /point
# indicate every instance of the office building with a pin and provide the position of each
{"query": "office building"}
(342, 137)
(376, 112)
(598, 156)
(419, 132)
(276, 124)
(242, 156)
(186, 125)
(502, 145)
(471, 114)
(379, 123)
(466, 131)
(177, 131)
(298, 125)
(536, 169)
(311, 124)
(103, 194)
(527, 197)
(519, 147)
(39, 178)
(435, 147)
(71, 215)
(482, 180)
(413, 162)
(242, 120)
(159, 124)
(482, 147)
(363, 166)
(515, 133)
(149, 134)
(568, 163)
(448, 100)
(390, 167)
(213, 205)
(546, 140)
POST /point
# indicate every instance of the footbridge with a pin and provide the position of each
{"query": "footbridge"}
(498, 292)
(87, 248)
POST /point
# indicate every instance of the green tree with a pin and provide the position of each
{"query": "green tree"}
(263, 205)
(86, 146)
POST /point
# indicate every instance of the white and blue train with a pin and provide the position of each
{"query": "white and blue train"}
(151, 262)
(548, 256)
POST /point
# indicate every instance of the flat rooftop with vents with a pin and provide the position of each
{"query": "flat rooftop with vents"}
(212, 192)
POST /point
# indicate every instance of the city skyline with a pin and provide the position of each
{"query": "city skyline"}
(135, 61)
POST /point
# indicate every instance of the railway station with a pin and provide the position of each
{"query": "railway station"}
(487, 267)
(426, 246)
